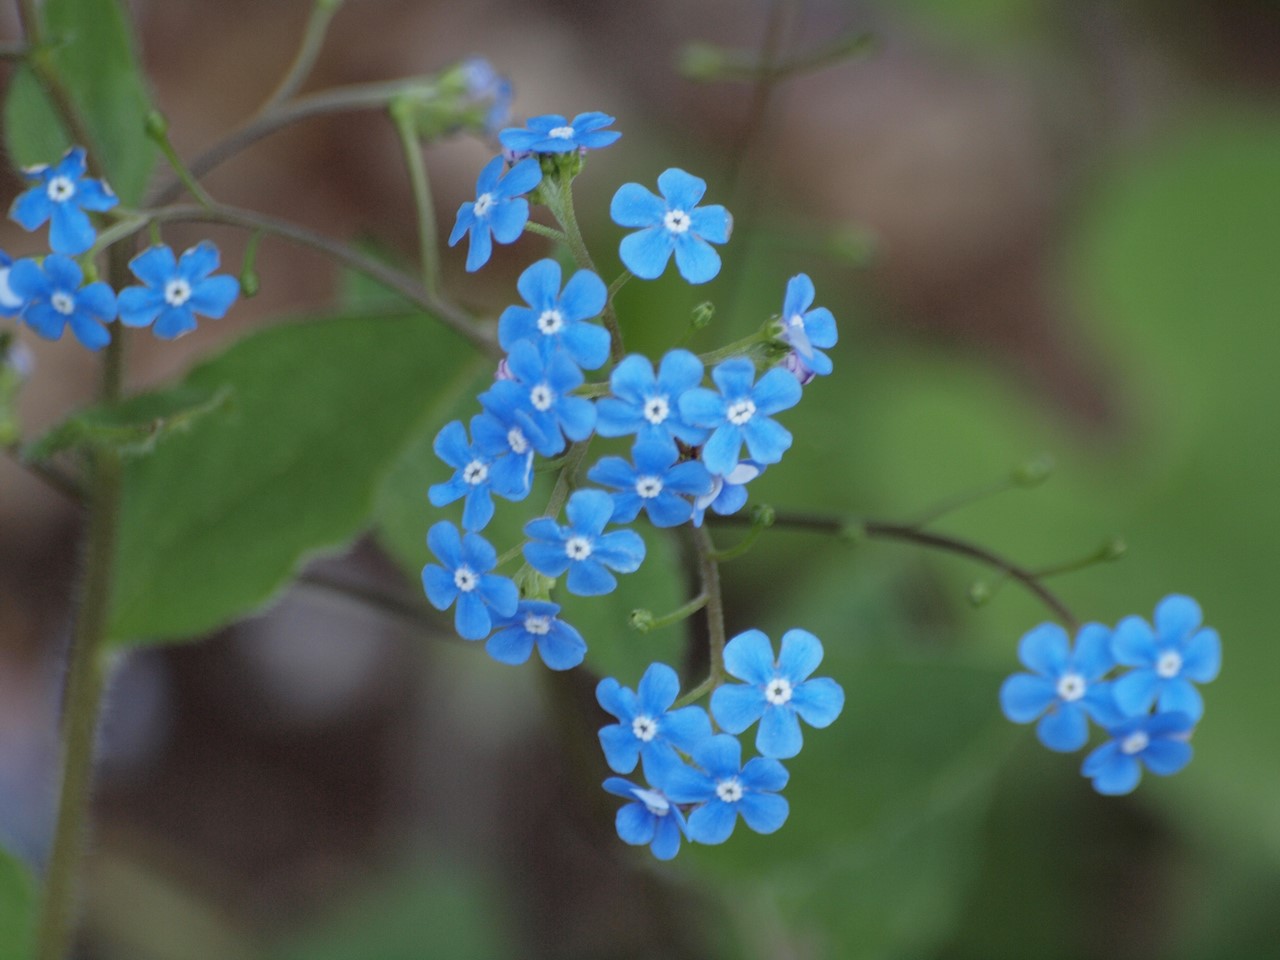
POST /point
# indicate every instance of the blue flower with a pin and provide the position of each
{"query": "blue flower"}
(475, 477)
(672, 223)
(1064, 690)
(486, 86)
(725, 788)
(647, 726)
(582, 547)
(728, 493)
(10, 303)
(776, 692)
(506, 444)
(1158, 740)
(62, 194)
(499, 211)
(741, 412)
(650, 818)
(1166, 660)
(552, 133)
(553, 320)
(649, 406)
(540, 399)
(806, 329)
(535, 623)
(55, 299)
(656, 483)
(176, 291)
(465, 577)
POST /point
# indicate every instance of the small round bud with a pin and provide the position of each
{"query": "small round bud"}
(641, 620)
(980, 592)
(250, 283)
(156, 126)
(1113, 549)
(1034, 472)
(763, 515)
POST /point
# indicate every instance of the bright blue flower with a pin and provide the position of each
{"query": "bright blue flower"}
(656, 483)
(465, 577)
(535, 623)
(555, 320)
(506, 445)
(10, 303)
(581, 547)
(176, 290)
(647, 726)
(725, 788)
(777, 693)
(1158, 740)
(741, 412)
(1064, 689)
(552, 133)
(55, 299)
(499, 211)
(62, 194)
(1166, 659)
(648, 405)
(807, 329)
(673, 223)
(486, 86)
(650, 818)
(539, 398)
(728, 493)
(475, 477)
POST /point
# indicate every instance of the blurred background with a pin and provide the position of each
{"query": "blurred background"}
(1044, 226)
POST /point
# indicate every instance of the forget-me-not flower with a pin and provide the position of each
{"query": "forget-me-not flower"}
(655, 483)
(1157, 741)
(465, 577)
(650, 818)
(507, 445)
(540, 398)
(1165, 660)
(582, 547)
(649, 405)
(728, 493)
(490, 89)
(725, 788)
(1065, 687)
(741, 412)
(555, 320)
(647, 727)
(499, 211)
(176, 290)
(537, 623)
(672, 223)
(778, 693)
(552, 133)
(61, 195)
(10, 303)
(55, 300)
(805, 329)
(474, 477)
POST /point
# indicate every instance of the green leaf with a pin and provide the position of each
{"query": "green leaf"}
(220, 516)
(91, 46)
(17, 909)
(134, 426)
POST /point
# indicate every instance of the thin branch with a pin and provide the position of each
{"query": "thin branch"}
(322, 12)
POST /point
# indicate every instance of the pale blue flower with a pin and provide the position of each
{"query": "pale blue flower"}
(740, 413)
(672, 223)
(1166, 660)
(499, 211)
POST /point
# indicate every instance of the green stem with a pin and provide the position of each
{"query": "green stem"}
(646, 622)
(562, 208)
(960, 500)
(709, 574)
(567, 479)
(762, 518)
(735, 349)
(428, 244)
(159, 133)
(619, 283)
(545, 231)
(322, 12)
(50, 474)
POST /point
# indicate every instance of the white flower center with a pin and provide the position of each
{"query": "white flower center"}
(730, 791)
(1071, 687)
(778, 691)
(516, 441)
(1135, 742)
(649, 487)
(797, 320)
(477, 471)
(644, 727)
(656, 410)
(550, 322)
(465, 579)
(561, 133)
(541, 397)
(538, 625)
(577, 548)
(177, 292)
(64, 303)
(484, 203)
(740, 411)
(61, 189)
(653, 801)
(1169, 665)
(677, 221)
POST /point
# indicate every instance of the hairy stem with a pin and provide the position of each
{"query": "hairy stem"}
(562, 208)
(709, 574)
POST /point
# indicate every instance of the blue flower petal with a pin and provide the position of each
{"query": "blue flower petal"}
(1202, 657)
(1092, 655)
(1134, 643)
(500, 594)
(658, 689)
(439, 586)
(634, 206)
(800, 655)
(779, 733)
(480, 249)
(763, 774)
(666, 838)
(818, 701)
(139, 306)
(507, 220)
(713, 822)
(621, 747)
(1166, 757)
(1179, 696)
(32, 208)
(622, 550)
(737, 706)
(1064, 728)
(713, 223)
(1177, 618)
(70, 231)
(470, 617)
(647, 252)
(1118, 775)
(764, 812)
(562, 648)
(584, 296)
(214, 296)
(446, 543)
(589, 511)
(767, 440)
(749, 657)
(686, 727)
(696, 259)
(681, 190)
(511, 645)
(777, 390)
(636, 825)
(589, 579)
(1136, 691)
(720, 756)
(1044, 649)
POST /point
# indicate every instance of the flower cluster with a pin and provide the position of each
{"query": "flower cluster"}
(50, 294)
(1149, 711)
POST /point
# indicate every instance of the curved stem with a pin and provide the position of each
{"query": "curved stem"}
(562, 208)
(428, 245)
(544, 231)
(322, 12)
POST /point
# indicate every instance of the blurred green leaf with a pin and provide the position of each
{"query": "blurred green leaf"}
(222, 515)
(17, 909)
(92, 47)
